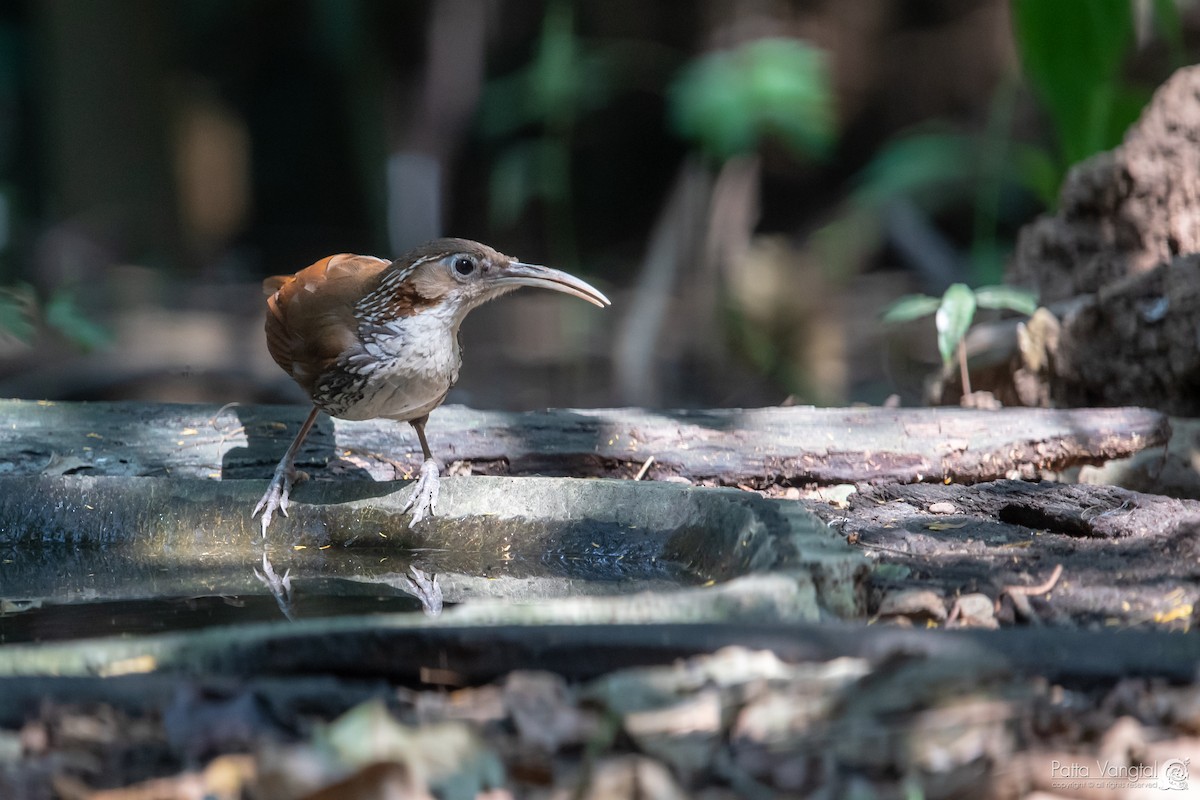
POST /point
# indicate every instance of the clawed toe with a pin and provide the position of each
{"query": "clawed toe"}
(424, 499)
(275, 499)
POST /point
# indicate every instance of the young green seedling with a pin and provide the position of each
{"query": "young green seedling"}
(953, 313)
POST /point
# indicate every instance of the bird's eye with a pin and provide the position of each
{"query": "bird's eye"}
(464, 266)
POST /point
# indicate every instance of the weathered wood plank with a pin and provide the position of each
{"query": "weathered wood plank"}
(760, 446)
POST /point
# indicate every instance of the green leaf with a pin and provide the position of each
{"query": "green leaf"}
(790, 94)
(1039, 172)
(528, 170)
(64, 315)
(1072, 52)
(505, 107)
(565, 79)
(709, 106)
(555, 78)
(910, 307)
(953, 318)
(17, 311)
(1127, 105)
(1010, 297)
(920, 165)
(729, 101)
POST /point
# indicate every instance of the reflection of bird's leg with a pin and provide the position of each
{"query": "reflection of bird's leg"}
(425, 587)
(276, 496)
(280, 588)
(425, 494)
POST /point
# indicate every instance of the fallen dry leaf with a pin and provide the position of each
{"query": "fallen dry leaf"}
(545, 712)
(918, 605)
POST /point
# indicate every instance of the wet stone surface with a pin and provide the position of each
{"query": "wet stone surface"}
(92, 556)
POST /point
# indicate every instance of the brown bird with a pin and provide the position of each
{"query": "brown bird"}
(368, 338)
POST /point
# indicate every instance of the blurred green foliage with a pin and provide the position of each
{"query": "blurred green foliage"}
(564, 80)
(1073, 57)
(927, 167)
(22, 315)
(729, 102)
(532, 116)
(18, 310)
(1072, 54)
(935, 170)
(724, 104)
(63, 314)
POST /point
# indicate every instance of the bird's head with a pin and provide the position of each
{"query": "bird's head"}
(458, 275)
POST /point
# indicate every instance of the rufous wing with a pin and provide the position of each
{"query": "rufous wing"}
(310, 315)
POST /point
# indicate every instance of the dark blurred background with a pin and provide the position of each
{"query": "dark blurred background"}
(752, 182)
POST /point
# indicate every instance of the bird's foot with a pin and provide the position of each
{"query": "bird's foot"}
(425, 493)
(276, 496)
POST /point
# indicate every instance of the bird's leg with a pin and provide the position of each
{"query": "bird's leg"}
(276, 497)
(425, 494)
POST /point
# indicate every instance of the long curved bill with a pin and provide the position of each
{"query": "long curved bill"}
(519, 274)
